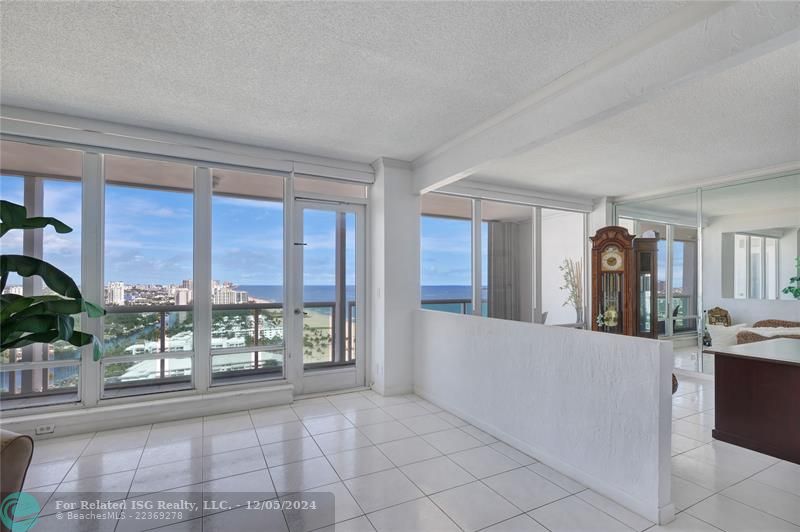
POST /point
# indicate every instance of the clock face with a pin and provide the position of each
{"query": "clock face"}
(611, 259)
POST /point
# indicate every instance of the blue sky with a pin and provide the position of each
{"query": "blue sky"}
(148, 236)
(446, 251)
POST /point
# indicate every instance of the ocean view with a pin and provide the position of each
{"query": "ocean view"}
(462, 294)
(328, 292)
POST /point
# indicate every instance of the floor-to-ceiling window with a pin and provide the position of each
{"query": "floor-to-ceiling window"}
(149, 330)
(47, 182)
(247, 269)
(446, 253)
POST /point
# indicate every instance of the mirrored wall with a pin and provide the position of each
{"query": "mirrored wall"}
(726, 256)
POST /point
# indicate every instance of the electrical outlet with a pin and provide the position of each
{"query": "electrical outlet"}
(45, 429)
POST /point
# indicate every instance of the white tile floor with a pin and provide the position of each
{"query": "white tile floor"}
(400, 464)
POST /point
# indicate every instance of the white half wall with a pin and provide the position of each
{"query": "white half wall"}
(594, 406)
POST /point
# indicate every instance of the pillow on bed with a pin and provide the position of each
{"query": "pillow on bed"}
(774, 331)
(722, 336)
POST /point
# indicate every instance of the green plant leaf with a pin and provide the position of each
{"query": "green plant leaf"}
(13, 216)
(58, 281)
(45, 337)
(11, 303)
(15, 327)
(56, 305)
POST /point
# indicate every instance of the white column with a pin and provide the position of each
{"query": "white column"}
(602, 215)
(477, 263)
(393, 266)
(33, 246)
(92, 245)
(536, 234)
(201, 279)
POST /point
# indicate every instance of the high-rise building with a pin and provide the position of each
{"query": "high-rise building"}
(183, 296)
(115, 293)
(15, 289)
(224, 294)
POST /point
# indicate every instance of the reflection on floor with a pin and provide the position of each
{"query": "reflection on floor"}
(687, 358)
(400, 464)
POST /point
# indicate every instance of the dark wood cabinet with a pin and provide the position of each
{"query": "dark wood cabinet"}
(646, 253)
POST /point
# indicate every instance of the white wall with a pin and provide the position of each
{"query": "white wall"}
(562, 238)
(750, 310)
(594, 406)
(393, 263)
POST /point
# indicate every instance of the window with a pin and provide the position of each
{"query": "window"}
(148, 276)
(446, 253)
(515, 283)
(247, 329)
(144, 238)
(740, 254)
(756, 264)
(47, 182)
(563, 248)
(684, 279)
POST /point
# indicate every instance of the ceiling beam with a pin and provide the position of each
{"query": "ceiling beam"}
(696, 41)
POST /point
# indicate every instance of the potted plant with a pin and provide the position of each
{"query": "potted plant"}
(26, 320)
(571, 273)
(794, 282)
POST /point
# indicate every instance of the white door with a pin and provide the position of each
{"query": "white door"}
(327, 340)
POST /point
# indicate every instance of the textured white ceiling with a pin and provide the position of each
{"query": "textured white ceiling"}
(352, 80)
(741, 119)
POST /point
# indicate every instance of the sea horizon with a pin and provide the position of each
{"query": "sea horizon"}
(274, 293)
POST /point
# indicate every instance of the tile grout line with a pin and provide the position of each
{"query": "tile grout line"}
(269, 473)
(133, 478)
(719, 492)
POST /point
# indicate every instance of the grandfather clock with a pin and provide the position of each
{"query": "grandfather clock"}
(613, 281)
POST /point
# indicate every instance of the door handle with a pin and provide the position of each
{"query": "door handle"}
(297, 312)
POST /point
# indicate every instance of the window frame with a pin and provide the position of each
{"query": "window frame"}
(763, 265)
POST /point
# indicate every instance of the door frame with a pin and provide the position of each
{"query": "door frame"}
(332, 378)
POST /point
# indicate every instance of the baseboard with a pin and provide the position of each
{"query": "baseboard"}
(660, 515)
(146, 412)
(394, 390)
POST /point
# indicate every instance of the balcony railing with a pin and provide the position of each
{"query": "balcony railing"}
(152, 333)
(457, 305)
(254, 336)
